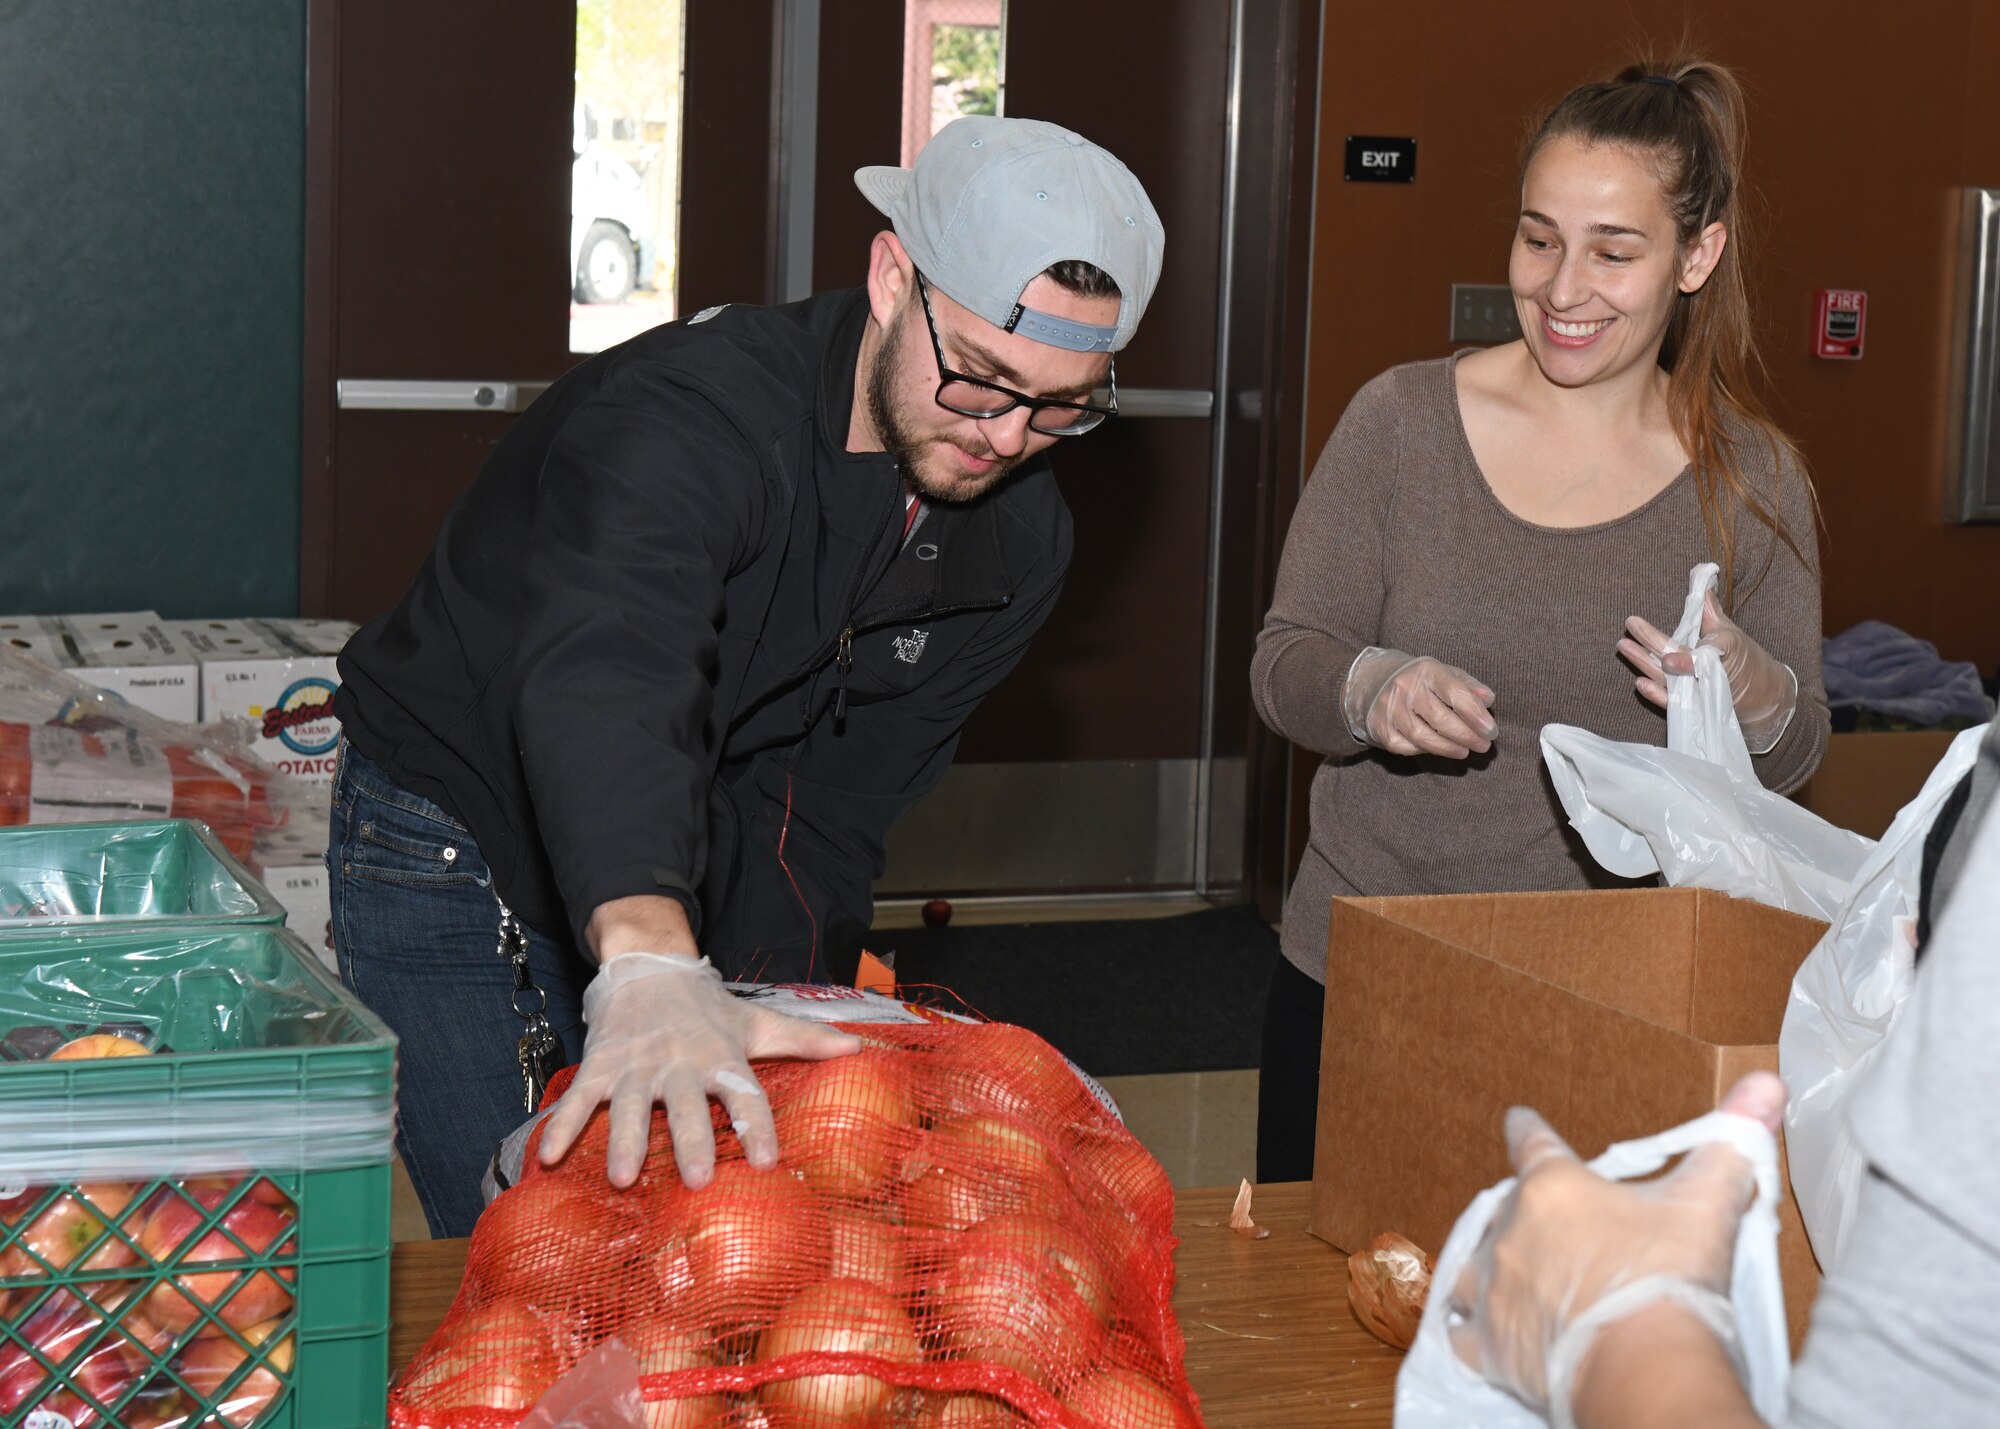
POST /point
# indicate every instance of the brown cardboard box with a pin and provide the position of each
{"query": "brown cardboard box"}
(1616, 1014)
(1866, 778)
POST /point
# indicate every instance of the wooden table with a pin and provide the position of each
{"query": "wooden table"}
(1270, 1341)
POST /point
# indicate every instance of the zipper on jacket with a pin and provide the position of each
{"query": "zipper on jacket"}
(843, 650)
(843, 661)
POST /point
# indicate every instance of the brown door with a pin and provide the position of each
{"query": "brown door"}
(438, 194)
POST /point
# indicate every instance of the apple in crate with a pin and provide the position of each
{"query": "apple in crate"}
(58, 1328)
(57, 1234)
(249, 1223)
(207, 1363)
(99, 1044)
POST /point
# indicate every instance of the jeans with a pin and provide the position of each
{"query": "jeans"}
(416, 928)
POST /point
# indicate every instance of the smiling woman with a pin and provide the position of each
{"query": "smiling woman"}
(1479, 529)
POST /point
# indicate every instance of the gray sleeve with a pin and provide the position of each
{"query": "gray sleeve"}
(1327, 605)
(1779, 607)
(1907, 1330)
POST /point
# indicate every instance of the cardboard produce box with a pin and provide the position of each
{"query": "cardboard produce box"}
(1615, 1014)
(1867, 777)
(127, 652)
(281, 676)
(291, 862)
(36, 635)
(141, 660)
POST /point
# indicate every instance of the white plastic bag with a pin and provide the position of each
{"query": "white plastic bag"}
(1437, 1390)
(1695, 812)
(1844, 1000)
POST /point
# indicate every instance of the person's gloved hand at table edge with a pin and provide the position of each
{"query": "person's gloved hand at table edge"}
(1763, 689)
(662, 1029)
(1567, 1241)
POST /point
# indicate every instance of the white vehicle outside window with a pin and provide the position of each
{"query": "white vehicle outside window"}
(611, 242)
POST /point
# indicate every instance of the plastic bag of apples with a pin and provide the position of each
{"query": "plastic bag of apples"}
(959, 1235)
(160, 1341)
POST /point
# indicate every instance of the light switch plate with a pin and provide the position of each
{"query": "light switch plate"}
(1483, 313)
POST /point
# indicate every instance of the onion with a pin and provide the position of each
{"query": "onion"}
(500, 1356)
(754, 1239)
(1011, 1307)
(663, 1347)
(966, 1411)
(865, 1248)
(974, 1167)
(849, 1123)
(550, 1238)
(1386, 1286)
(1136, 1182)
(1009, 1069)
(1044, 1241)
(839, 1316)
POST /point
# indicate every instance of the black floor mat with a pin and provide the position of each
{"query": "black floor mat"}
(1119, 997)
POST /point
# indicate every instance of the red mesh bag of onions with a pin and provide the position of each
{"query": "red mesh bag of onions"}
(959, 1236)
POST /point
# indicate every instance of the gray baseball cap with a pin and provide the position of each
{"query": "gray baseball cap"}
(991, 202)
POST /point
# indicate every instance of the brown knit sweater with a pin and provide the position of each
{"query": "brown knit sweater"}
(1398, 541)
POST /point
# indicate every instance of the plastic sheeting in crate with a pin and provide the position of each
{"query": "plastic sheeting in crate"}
(163, 873)
(197, 1232)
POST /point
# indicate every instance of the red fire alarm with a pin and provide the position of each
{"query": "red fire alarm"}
(1840, 321)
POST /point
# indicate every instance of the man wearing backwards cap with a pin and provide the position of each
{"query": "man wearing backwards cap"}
(707, 623)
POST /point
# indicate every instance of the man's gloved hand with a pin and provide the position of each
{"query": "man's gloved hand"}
(662, 1028)
(1409, 704)
(1566, 1238)
(1763, 688)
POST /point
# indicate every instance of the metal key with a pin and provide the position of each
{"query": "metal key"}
(541, 1059)
(539, 1052)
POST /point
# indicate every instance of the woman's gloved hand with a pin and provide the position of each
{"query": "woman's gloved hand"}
(1763, 688)
(1410, 704)
(1566, 1238)
(663, 1029)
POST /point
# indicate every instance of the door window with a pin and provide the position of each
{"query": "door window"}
(954, 63)
(625, 183)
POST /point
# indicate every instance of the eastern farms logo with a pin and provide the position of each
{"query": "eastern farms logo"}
(302, 717)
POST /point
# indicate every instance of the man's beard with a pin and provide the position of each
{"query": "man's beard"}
(908, 452)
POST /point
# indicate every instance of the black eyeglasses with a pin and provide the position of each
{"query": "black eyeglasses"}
(975, 397)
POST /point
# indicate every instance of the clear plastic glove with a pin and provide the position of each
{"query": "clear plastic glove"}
(1763, 688)
(1566, 1239)
(663, 1028)
(1411, 704)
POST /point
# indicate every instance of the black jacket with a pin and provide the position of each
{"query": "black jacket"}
(667, 643)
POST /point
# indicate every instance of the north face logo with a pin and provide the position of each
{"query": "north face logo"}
(910, 648)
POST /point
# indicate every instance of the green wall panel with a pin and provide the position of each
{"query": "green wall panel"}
(152, 200)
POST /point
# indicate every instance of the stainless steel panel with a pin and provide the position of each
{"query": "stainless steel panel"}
(1972, 455)
(1219, 435)
(1101, 824)
(796, 127)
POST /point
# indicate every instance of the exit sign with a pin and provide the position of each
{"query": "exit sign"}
(1372, 159)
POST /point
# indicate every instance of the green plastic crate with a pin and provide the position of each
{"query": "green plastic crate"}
(164, 873)
(257, 1036)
